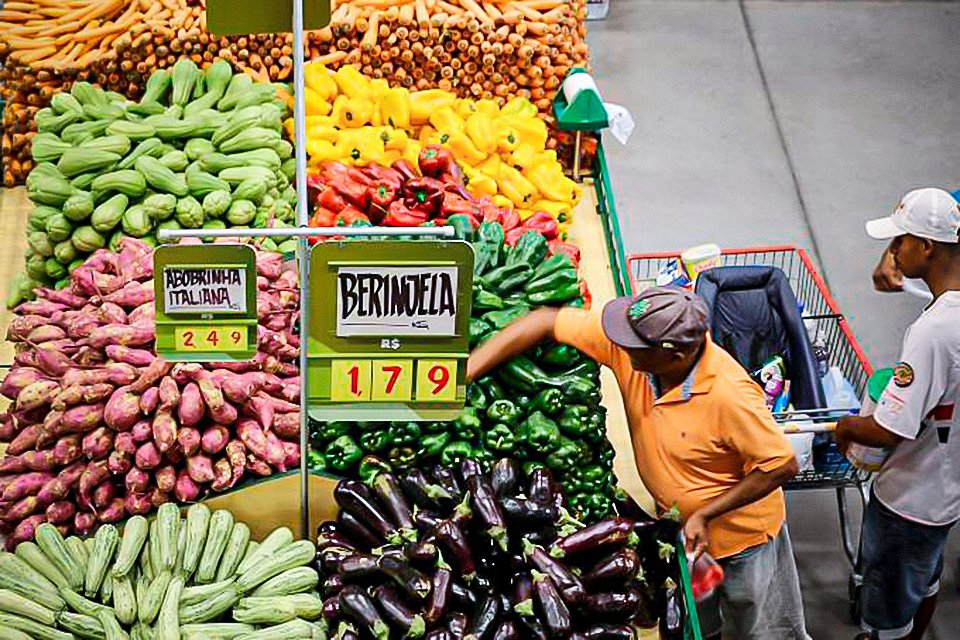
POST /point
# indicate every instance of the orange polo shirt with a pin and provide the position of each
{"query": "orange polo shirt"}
(700, 439)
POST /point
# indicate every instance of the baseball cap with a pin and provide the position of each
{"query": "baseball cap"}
(660, 316)
(929, 213)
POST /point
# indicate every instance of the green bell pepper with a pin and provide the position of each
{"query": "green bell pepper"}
(317, 461)
(594, 478)
(327, 431)
(577, 388)
(492, 388)
(501, 319)
(567, 456)
(523, 403)
(493, 279)
(540, 434)
(530, 465)
(484, 457)
(515, 281)
(560, 357)
(576, 420)
(343, 454)
(479, 330)
(433, 444)
(549, 401)
(522, 375)
(560, 295)
(462, 226)
(435, 427)
(402, 457)
(530, 250)
(501, 439)
(556, 262)
(488, 247)
(553, 281)
(456, 452)
(477, 397)
(403, 433)
(504, 411)
(468, 424)
(374, 440)
(484, 300)
(586, 369)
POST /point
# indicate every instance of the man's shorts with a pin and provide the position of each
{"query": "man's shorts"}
(902, 562)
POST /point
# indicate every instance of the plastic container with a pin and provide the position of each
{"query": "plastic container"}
(706, 575)
(838, 392)
(871, 458)
(698, 259)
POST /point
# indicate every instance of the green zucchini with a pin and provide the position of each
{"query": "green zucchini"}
(286, 631)
(15, 604)
(198, 519)
(111, 627)
(211, 608)
(293, 555)
(134, 535)
(168, 621)
(148, 609)
(33, 628)
(125, 600)
(55, 548)
(214, 631)
(199, 593)
(17, 576)
(233, 553)
(79, 604)
(30, 553)
(297, 580)
(168, 528)
(276, 540)
(82, 626)
(221, 525)
(104, 547)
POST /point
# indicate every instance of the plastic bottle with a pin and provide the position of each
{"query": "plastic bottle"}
(838, 392)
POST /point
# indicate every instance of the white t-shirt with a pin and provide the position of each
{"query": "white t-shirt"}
(921, 479)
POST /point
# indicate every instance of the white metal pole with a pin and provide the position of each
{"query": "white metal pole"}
(307, 232)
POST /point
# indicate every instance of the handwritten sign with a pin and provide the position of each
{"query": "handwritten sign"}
(204, 289)
(225, 338)
(397, 301)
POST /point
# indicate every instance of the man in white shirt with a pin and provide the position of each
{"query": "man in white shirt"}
(916, 494)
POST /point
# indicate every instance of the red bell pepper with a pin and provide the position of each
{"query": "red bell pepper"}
(585, 294)
(323, 217)
(332, 169)
(400, 215)
(328, 198)
(424, 194)
(405, 170)
(382, 195)
(379, 173)
(509, 219)
(353, 192)
(572, 251)
(457, 189)
(454, 173)
(489, 212)
(357, 175)
(434, 160)
(544, 223)
(349, 215)
(454, 204)
(514, 234)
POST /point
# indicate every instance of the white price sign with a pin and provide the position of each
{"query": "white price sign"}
(396, 301)
(204, 289)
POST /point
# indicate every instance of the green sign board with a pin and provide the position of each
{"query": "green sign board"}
(206, 299)
(240, 17)
(389, 330)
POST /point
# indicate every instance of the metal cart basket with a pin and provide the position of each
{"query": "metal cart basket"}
(829, 329)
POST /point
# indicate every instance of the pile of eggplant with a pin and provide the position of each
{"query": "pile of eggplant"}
(457, 554)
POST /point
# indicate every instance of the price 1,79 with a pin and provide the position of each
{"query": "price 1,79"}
(219, 338)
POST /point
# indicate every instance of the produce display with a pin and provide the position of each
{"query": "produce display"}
(461, 553)
(199, 577)
(101, 428)
(200, 149)
(500, 153)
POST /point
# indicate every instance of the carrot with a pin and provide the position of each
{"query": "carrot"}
(331, 58)
(373, 29)
(530, 14)
(449, 8)
(492, 10)
(36, 54)
(406, 14)
(555, 15)
(423, 17)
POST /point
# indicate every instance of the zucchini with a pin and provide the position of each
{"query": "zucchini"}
(199, 593)
(152, 147)
(15, 604)
(79, 551)
(276, 613)
(54, 547)
(168, 529)
(252, 547)
(9, 633)
(104, 547)
(286, 631)
(198, 519)
(276, 540)
(258, 610)
(211, 608)
(82, 626)
(17, 576)
(214, 631)
(33, 628)
(221, 525)
(148, 609)
(168, 622)
(154, 549)
(293, 555)
(106, 588)
(297, 580)
(233, 553)
(79, 604)
(124, 600)
(134, 535)
(30, 553)
(78, 160)
(118, 144)
(111, 627)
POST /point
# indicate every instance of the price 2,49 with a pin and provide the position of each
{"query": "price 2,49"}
(225, 338)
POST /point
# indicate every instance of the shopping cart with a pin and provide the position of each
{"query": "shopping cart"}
(828, 330)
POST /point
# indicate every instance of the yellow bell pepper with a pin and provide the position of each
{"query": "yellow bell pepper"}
(502, 201)
(353, 112)
(424, 103)
(315, 121)
(507, 138)
(562, 211)
(318, 78)
(427, 135)
(465, 108)
(516, 187)
(478, 184)
(464, 150)
(532, 131)
(288, 127)
(395, 108)
(315, 105)
(490, 167)
(351, 82)
(524, 213)
(524, 156)
(489, 108)
(446, 121)
(550, 181)
(365, 148)
(480, 129)
(321, 151)
(520, 107)
(412, 153)
(323, 132)
(378, 89)
(394, 139)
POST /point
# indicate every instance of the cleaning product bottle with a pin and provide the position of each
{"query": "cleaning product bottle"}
(871, 458)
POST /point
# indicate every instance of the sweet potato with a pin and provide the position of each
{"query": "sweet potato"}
(132, 295)
(122, 334)
(62, 296)
(123, 409)
(104, 495)
(68, 449)
(82, 281)
(142, 431)
(237, 456)
(239, 367)
(158, 498)
(106, 283)
(169, 394)
(287, 369)
(116, 373)
(8, 430)
(46, 333)
(43, 308)
(184, 373)
(186, 490)
(95, 473)
(166, 478)
(40, 460)
(25, 531)
(257, 466)
(111, 313)
(147, 456)
(19, 379)
(137, 481)
(275, 451)
(52, 362)
(287, 426)
(174, 455)
(22, 508)
(292, 455)
(25, 440)
(261, 410)
(215, 439)
(289, 390)
(12, 464)
(61, 512)
(200, 468)
(220, 410)
(279, 406)
(97, 443)
(151, 375)
(189, 440)
(222, 475)
(81, 393)
(269, 265)
(114, 511)
(191, 408)
(120, 463)
(27, 484)
(137, 504)
(21, 326)
(59, 487)
(144, 316)
(82, 418)
(27, 358)
(239, 388)
(149, 400)
(83, 523)
(82, 327)
(124, 443)
(253, 437)
(164, 430)
(135, 357)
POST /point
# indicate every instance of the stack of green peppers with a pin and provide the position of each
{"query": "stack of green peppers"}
(542, 408)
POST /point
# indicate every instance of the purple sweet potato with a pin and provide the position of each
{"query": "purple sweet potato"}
(239, 388)
(290, 391)
(291, 452)
(132, 295)
(43, 308)
(186, 489)
(106, 283)
(137, 504)
(183, 373)
(82, 418)
(189, 439)
(200, 469)
(137, 481)
(62, 296)
(169, 394)
(142, 431)
(98, 443)
(61, 512)
(166, 478)
(149, 400)
(164, 430)
(191, 408)
(257, 466)
(84, 522)
(116, 373)
(279, 406)
(27, 358)
(8, 430)
(38, 394)
(40, 460)
(68, 449)
(151, 375)
(275, 452)
(120, 463)
(82, 327)
(59, 487)
(126, 335)
(114, 511)
(287, 426)
(22, 508)
(269, 265)
(222, 475)
(27, 484)
(51, 361)
(46, 333)
(124, 443)
(111, 313)
(25, 440)
(135, 357)
(253, 437)
(261, 410)
(21, 326)
(12, 464)
(215, 439)
(123, 409)
(19, 379)
(81, 393)
(144, 316)
(147, 456)
(25, 531)
(95, 473)
(219, 409)
(104, 495)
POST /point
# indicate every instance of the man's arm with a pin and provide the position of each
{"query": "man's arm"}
(754, 486)
(863, 430)
(886, 277)
(518, 337)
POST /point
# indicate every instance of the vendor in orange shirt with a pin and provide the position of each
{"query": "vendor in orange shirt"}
(703, 439)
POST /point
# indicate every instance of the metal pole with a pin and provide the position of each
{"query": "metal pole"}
(307, 232)
(577, 140)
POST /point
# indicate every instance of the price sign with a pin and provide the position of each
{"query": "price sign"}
(392, 380)
(350, 380)
(437, 380)
(225, 338)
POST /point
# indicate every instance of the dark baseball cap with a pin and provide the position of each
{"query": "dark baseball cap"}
(660, 316)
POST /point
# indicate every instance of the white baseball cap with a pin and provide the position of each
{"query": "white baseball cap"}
(929, 213)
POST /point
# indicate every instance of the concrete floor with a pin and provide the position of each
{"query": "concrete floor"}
(788, 122)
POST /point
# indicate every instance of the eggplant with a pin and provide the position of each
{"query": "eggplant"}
(469, 469)
(482, 584)
(347, 632)
(439, 594)
(387, 549)
(362, 535)
(457, 624)
(413, 583)
(485, 503)
(332, 557)
(485, 621)
(568, 584)
(439, 634)
(453, 544)
(447, 479)
(554, 611)
(534, 628)
(356, 567)
(527, 513)
(423, 553)
(332, 585)
(357, 605)
(507, 631)
(614, 570)
(543, 537)
(462, 512)
(671, 621)
(327, 526)
(505, 477)
(522, 603)
(613, 532)
(398, 613)
(386, 487)
(618, 606)
(464, 597)
(608, 632)
(541, 486)
(334, 539)
(355, 497)
(424, 494)
(331, 609)
(426, 520)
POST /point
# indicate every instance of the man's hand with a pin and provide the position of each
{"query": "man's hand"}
(886, 277)
(863, 430)
(695, 534)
